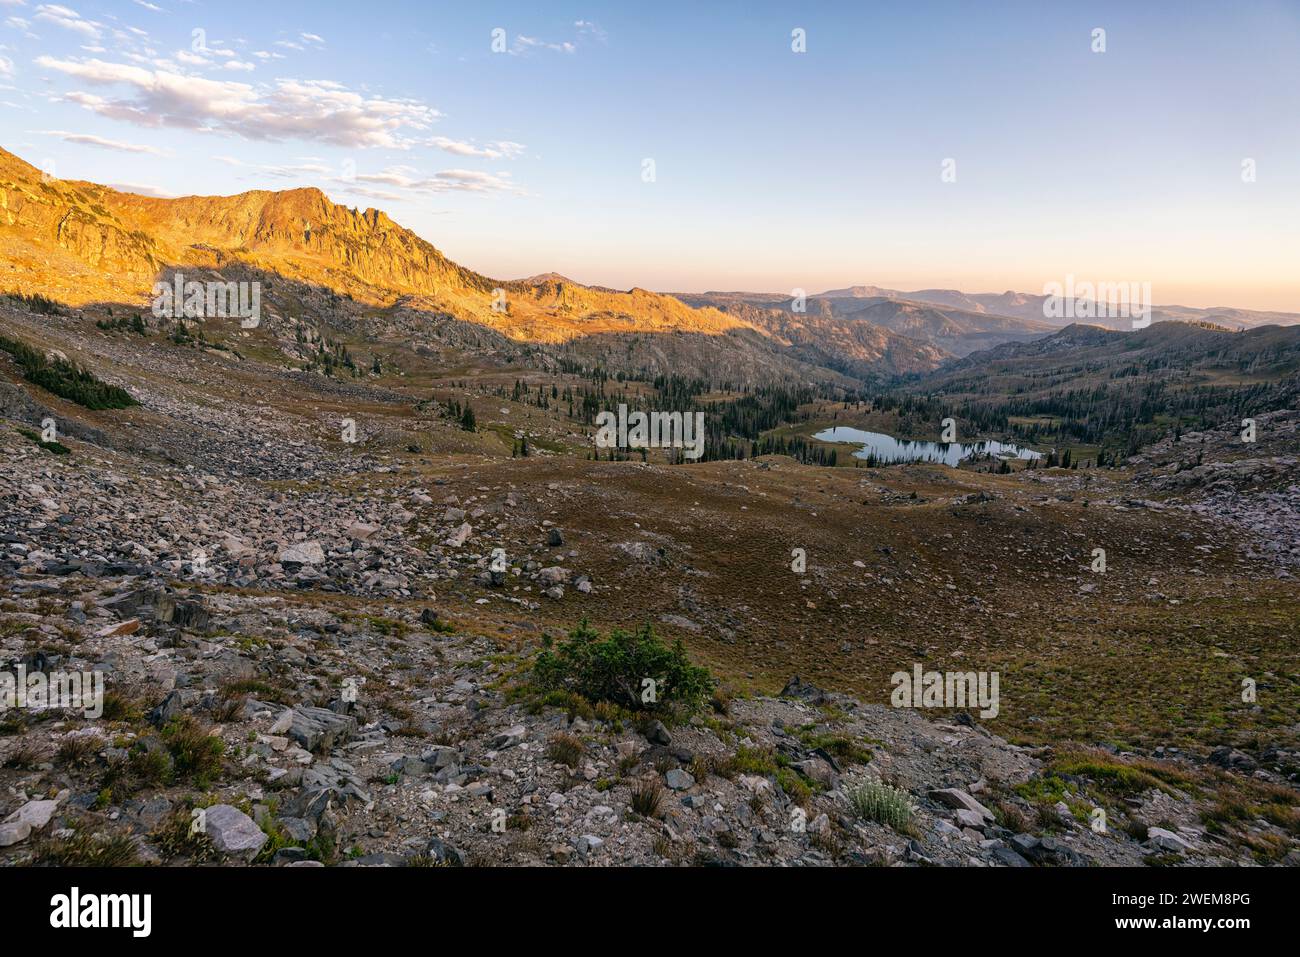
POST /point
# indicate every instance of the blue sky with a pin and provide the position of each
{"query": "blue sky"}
(773, 169)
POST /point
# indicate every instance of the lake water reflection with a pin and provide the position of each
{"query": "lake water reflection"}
(887, 449)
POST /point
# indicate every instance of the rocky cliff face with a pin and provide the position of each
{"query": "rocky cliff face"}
(62, 236)
(80, 242)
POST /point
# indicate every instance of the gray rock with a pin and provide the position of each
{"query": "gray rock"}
(35, 814)
(168, 709)
(959, 799)
(796, 687)
(233, 832)
(302, 553)
(554, 575)
(181, 612)
(1167, 840)
(448, 854)
(1009, 858)
(679, 780)
(658, 734)
(509, 738)
(298, 829)
(968, 818)
(320, 729)
(13, 833)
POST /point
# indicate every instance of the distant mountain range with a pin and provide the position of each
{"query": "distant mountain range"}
(1022, 305)
(83, 243)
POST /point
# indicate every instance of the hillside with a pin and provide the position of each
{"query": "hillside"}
(947, 330)
(1029, 306)
(1112, 390)
(79, 242)
(308, 637)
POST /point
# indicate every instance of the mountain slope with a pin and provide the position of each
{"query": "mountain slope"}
(1027, 306)
(80, 242)
(1182, 355)
(852, 346)
(957, 330)
(949, 330)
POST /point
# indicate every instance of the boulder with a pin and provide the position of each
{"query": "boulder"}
(320, 729)
(233, 832)
(955, 798)
(301, 553)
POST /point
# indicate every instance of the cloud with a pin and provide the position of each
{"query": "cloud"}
(6, 66)
(319, 110)
(242, 65)
(140, 189)
(380, 194)
(68, 19)
(525, 44)
(149, 6)
(282, 171)
(86, 139)
(446, 181)
(311, 38)
(587, 30)
(407, 178)
(502, 149)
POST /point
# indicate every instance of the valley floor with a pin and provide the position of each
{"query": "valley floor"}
(328, 612)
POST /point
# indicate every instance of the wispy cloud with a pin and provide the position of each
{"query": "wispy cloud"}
(501, 149)
(69, 19)
(408, 179)
(446, 181)
(297, 171)
(522, 45)
(87, 139)
(526, 44)
(321, 110)
(141, 189)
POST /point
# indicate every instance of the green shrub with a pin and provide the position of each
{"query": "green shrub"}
(83, 849)
(566, 749)
(196, 754)
(65, 379)
(648, 797)
(881, 803)
(615, 669)
(58, 448)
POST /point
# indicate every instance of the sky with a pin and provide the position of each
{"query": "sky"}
(690, 147)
